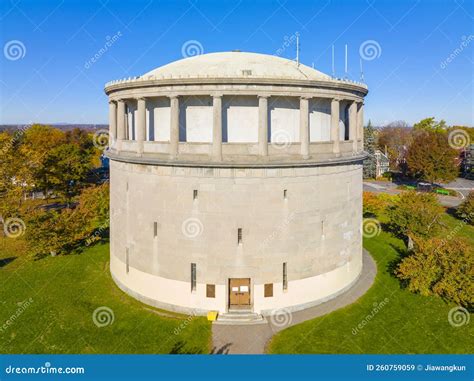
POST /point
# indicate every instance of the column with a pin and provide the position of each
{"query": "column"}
(304, 126)
(263, 125)
(360, 125)
(120, 123)
(112, 123)
(353, 125)
(217, 127)
(141, 123)
(335, 126)
(174, 125)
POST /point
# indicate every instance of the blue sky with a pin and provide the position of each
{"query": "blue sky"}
(46, 45)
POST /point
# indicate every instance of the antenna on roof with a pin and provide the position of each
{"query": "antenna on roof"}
(345, 62)
(298, 49)
(361, 71)
(333, 69)
(312, 65)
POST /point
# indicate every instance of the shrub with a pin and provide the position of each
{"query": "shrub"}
(415, 214)
(466, 209)
(440, 267)
(373, 204)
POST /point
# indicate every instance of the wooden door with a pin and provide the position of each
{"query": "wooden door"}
(239, 292)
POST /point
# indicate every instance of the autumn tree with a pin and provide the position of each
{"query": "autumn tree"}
(37, 143)
(373, 204)
(440, 267)
(66, 167)
(53, 232)
(430, 125)
(415, 215)
(395, 139)
(465, 211)
(15, 176)
(431, 158)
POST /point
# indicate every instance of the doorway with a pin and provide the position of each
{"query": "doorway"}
(239, 294)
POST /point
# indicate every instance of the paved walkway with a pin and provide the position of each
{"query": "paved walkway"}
(252, 339)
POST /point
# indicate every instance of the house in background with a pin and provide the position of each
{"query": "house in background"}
(382, 163)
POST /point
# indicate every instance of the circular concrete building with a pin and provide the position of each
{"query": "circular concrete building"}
(236, 184)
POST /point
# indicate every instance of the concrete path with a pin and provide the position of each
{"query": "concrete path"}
(252, 339)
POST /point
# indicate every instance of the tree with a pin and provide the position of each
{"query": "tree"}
(415, 215)
(395, 140)
(62, 232)
(430, 124)
(66, 167)
(440, 267)
(37, 143)
(373, 204)
(431, 158)
(15, 176)
(465, 211)
(369, 170)
(50, 232)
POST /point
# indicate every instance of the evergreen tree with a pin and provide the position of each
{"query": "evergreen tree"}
(369, 147)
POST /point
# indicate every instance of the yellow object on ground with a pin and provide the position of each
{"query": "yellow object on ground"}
(212, 315)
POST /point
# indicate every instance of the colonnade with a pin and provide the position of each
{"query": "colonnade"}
(117, 124)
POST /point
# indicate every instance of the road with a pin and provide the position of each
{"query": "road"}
(460, 185)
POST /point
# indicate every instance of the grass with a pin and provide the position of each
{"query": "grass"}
(65, 291)
(407, 323)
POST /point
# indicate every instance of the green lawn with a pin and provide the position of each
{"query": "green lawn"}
(407, 323)
(65, 291)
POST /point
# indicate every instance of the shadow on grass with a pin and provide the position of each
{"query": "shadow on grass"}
(6, 261)
(75, 249)
(179, 348)
(393, 265)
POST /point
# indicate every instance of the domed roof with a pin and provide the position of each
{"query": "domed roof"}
(236, 65)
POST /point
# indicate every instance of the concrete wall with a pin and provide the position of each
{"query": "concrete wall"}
(316, 230)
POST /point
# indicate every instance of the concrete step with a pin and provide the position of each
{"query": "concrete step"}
(240, 318)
